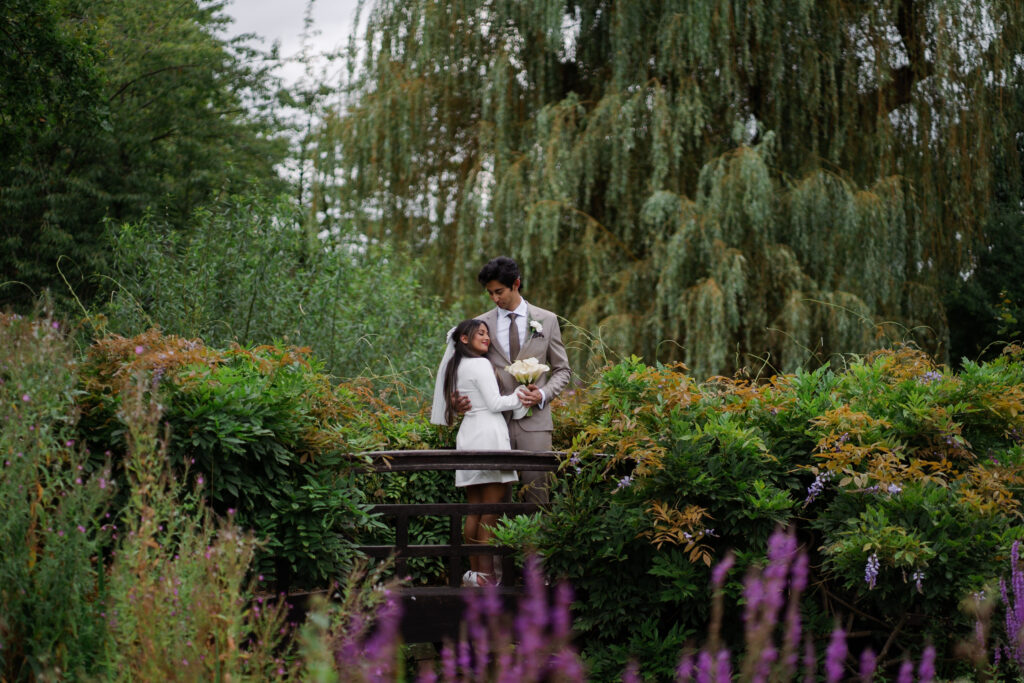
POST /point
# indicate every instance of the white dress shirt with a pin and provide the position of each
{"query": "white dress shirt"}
(522, 325)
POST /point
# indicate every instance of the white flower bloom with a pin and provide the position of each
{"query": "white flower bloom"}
(537, 327)
(527, 370)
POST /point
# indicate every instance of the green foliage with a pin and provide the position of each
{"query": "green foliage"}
(258, 430)
(246, 272)
(181, 599)
(52, 506)
(892, 458)
(50, 140)
(986, 303)
(112, 109)
(709, 198)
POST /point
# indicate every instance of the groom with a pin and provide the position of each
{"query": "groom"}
(522, 330)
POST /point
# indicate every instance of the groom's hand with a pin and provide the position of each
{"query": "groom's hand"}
(530, 395)
(461, 403)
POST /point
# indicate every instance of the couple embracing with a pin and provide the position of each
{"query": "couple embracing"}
(499, 412)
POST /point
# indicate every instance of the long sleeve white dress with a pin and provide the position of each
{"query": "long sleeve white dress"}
(483, 427)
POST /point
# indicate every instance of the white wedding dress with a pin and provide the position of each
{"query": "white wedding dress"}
(483, 427)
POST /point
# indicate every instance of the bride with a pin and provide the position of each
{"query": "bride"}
(466, 370)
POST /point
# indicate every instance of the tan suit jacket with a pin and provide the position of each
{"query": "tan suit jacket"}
(546, 346)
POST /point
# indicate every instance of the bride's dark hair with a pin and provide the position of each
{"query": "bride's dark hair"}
(467, 328)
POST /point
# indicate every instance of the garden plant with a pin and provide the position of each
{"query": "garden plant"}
(175, 481)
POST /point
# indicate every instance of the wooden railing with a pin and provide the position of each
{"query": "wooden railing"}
(431, 613)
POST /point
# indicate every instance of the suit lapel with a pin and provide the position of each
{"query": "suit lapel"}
(532, 340)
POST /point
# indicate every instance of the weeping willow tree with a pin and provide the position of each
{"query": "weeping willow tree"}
(714, 181)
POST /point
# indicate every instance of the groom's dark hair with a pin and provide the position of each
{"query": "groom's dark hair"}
(503, 269)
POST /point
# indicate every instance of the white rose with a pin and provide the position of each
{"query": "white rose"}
(537, 327)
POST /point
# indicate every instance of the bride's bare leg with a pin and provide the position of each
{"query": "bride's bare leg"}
(490, 493)
(471, 525)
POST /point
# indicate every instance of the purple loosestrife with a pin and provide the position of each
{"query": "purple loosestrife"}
(765, 593)
(531, 623)
(705, 667)
(906, 674)
(797, 584)
(632, 673)
(561, 619)
(448, 668)
(926, 669)
(426, 674)
(835, 656)
(684, 672)
(723, 666)
(479, 640)
(868, 663)
(1014, 606)
(540, 650)
(465, 656)
(721, 569)
(810, 661)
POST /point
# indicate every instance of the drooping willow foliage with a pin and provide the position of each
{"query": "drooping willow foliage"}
(723, 182)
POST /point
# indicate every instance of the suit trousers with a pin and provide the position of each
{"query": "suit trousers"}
(534, 486)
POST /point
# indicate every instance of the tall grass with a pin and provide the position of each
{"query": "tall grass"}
(156, 590)
(51, 511)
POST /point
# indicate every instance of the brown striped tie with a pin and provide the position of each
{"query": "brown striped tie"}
(513, 337)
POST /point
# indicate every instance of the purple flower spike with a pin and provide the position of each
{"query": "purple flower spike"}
(918, 577)
(871, 570)
(810, 661)
(427, 674)
(720, 570)
(926, 669)
(868, 663)
(566, 666)
(561, 621)
(684, 672)
(906, 674)
(448, 662)
(723, 666)
(835, 656)
(705, 670)
(817, 486)
(632, 673)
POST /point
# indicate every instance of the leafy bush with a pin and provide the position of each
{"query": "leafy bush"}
(180, 599)
(248, 271)
(263, 433)
(901, 480)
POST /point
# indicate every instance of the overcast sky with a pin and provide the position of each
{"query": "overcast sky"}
(281, 20)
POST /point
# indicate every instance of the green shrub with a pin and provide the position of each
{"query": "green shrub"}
(901, 480)
(248, 272)
(181, 601)
(262, 432)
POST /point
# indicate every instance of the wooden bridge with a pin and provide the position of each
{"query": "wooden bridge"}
(431, 613)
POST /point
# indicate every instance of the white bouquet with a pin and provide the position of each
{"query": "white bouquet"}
(527, 371)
